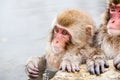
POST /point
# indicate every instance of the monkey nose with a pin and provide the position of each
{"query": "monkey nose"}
(57, 41)
(113, 21)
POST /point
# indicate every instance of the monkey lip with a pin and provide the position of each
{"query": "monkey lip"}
(57, 49)
(114, 29)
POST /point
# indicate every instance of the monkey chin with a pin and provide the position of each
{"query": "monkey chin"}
(114, 32)
(57, 50)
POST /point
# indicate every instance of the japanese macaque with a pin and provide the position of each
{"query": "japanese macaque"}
(68, 45)
(107, 36)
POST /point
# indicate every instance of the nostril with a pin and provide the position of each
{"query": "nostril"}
(113, 21)
(57, 42)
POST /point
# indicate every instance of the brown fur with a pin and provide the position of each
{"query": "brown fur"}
(110, 44)
(75, 21)
(70, 17)
(106, 14)
(103, 39)
(81, 28)
(109, 2)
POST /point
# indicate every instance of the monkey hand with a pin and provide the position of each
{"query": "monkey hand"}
(32, 67)
(70, 63)
(97, 64)
(116, 62)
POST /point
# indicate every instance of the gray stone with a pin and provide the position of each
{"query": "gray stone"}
(110, 74)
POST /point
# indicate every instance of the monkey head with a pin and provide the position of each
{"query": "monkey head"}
(61, 37)
(113, 17)
(71, 27)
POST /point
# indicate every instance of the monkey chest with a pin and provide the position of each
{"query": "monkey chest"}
(108, 50)
(53, 62)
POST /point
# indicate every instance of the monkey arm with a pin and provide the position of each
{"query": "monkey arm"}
(35, 67)
(99, 36)
(71, 62)
(97, 62)
(116, 62)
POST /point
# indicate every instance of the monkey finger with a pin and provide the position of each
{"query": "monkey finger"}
(97, 69)
(91, 66)
(102, 67)
(30, 65)
(33, 75)
(91, 70)
(73, 67)
(116, 62)
(34, 66)
(118, 66)
(68, 67)
(62, 67)
(77, 67)
(36, 63)
(101, 64)
(32, 71)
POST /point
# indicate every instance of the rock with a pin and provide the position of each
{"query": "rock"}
(110, 74)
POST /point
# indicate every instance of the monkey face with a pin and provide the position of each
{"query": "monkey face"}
(60, 37)
(113, 25)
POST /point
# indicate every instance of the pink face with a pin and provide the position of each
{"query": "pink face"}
(114, 22)
(60, 37)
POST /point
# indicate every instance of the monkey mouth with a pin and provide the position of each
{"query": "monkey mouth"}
(114, 32)
(113, 28)
(57, 49)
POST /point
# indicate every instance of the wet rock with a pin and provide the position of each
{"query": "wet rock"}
(110, 74)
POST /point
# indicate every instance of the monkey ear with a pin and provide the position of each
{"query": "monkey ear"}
(89, 30)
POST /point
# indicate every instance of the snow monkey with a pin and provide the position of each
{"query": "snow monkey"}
(68, 45)
(107, 36)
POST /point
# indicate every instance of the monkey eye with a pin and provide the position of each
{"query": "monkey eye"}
(112, 9)
(64, 32)
(56, 30)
